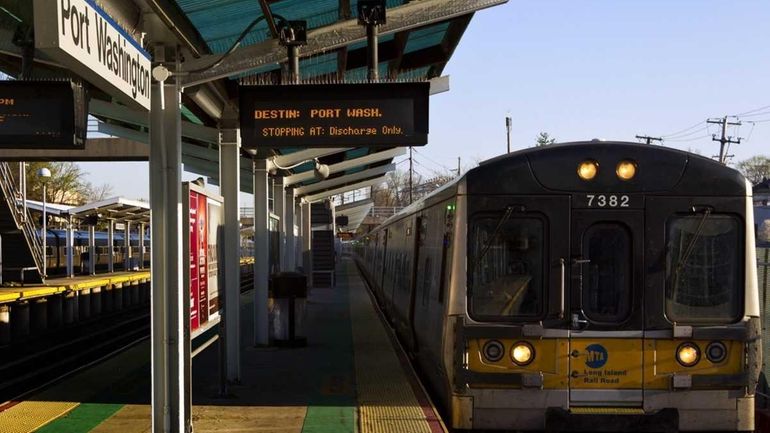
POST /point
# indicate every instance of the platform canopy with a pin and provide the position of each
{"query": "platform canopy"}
(416, 43)
(115, 208)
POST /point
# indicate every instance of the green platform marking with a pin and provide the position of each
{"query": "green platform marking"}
(330, 419)
(82, 419)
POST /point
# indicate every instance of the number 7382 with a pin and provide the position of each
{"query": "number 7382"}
(607, 200)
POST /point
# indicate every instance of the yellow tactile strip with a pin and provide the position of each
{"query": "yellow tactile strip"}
(62, 285)
(386, 402)
(28, 416)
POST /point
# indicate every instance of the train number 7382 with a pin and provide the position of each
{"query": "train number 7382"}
(608, 200)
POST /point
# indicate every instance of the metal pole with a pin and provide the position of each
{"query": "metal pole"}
(111, 247)
(45, 233)
(279, 208)
(411, 168)
(289, 215)
(23, 180)
(229, 175)
(170, 330)
(293, 51)
(372, 52)
(91, 250)
(70, 248)
(261, 256)
(508, 132)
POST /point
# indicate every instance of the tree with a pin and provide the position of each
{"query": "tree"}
(544, 139)
(67, 184)
(756, 169)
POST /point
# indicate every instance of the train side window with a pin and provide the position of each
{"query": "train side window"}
(704, 269)
(442, 275)
(506, 257)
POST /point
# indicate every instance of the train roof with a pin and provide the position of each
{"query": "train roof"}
(660, 170)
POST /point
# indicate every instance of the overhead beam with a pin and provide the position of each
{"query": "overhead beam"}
(96, 149)
(324, 39)
(347, 207)
(322, 195)
(125, 114)
(342, 180)
(303, 155)
(347, 165)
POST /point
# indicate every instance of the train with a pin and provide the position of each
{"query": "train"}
(56, 251)
(584, 286)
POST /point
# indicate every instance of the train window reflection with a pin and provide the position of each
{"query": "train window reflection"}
(506, 255)
(607, 273)
(703, 269)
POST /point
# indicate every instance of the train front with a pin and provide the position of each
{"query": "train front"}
(610, 286)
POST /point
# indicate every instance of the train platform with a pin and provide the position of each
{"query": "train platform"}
(55, 286)
(350, 377)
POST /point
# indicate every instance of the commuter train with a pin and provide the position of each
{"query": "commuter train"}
(56, 251)
(582, 286)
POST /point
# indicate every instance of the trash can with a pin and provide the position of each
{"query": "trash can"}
(288, 294)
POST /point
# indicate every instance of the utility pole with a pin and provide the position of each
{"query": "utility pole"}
(724, 140)
(411, 170)
(508, 134)
(458, 166)
(649, 139)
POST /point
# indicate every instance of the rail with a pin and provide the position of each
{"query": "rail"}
(384, 211)
(23, 220)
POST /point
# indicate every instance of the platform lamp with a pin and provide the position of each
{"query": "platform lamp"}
(44, 174)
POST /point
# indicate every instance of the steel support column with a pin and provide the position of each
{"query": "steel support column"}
(169, 412)
(230, 186)
(70, 248)
(289, 207)
(142, 228)
(279, 208)
(91, 250)
(298, 238)
(307, 237)
(111, 247)
(127, 245)
(261, 252)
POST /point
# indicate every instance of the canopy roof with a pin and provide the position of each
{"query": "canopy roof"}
(416, 43)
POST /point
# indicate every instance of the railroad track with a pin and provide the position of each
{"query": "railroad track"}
(40, 362)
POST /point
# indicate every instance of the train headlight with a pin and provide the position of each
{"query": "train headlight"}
(522, 353)
(688, 354)
(493, 351)
(587, 169)
(716, 352)
(626, 170)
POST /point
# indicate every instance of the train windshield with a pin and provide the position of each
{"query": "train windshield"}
(703, 269)
(607, 279)
(506, 257)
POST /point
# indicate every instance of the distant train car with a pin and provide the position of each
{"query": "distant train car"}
(581, 286)
(56, 251)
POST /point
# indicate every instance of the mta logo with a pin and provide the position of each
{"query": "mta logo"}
(597, 356)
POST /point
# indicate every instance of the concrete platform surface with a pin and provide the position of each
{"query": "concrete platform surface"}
(348, 379)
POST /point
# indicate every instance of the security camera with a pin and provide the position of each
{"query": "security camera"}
(321, 171)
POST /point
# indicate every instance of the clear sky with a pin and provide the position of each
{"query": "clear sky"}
(582, 69)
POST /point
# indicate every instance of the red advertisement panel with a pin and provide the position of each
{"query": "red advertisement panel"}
(194, 251)
(202, 247)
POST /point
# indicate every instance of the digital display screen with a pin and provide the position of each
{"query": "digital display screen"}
(41, 114)
(381, 114)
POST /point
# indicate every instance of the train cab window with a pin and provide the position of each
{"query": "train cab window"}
(506, 257)
(703, 269)
(606, 291)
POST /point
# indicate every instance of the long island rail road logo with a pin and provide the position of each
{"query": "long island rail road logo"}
(596, 356)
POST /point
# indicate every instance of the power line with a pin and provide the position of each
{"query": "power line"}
(752, 111)
(683, 130)
(689, 139)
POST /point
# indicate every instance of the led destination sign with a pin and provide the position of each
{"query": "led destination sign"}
(41, 114)
(392, 114)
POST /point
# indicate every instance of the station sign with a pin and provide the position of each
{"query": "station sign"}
(42, 115)
(81, 36)
(324, 115)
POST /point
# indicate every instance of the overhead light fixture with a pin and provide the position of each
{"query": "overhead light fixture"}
(206, 100)
(371, 12)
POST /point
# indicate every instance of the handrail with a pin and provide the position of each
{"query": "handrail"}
(23, 221)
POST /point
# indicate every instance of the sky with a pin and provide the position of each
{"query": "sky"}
(584, 69)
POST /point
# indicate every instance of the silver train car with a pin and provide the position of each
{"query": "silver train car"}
(582, 286)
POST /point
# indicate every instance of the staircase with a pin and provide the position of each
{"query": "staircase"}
(20, 244)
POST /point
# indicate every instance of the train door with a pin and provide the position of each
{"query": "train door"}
(606, 299)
